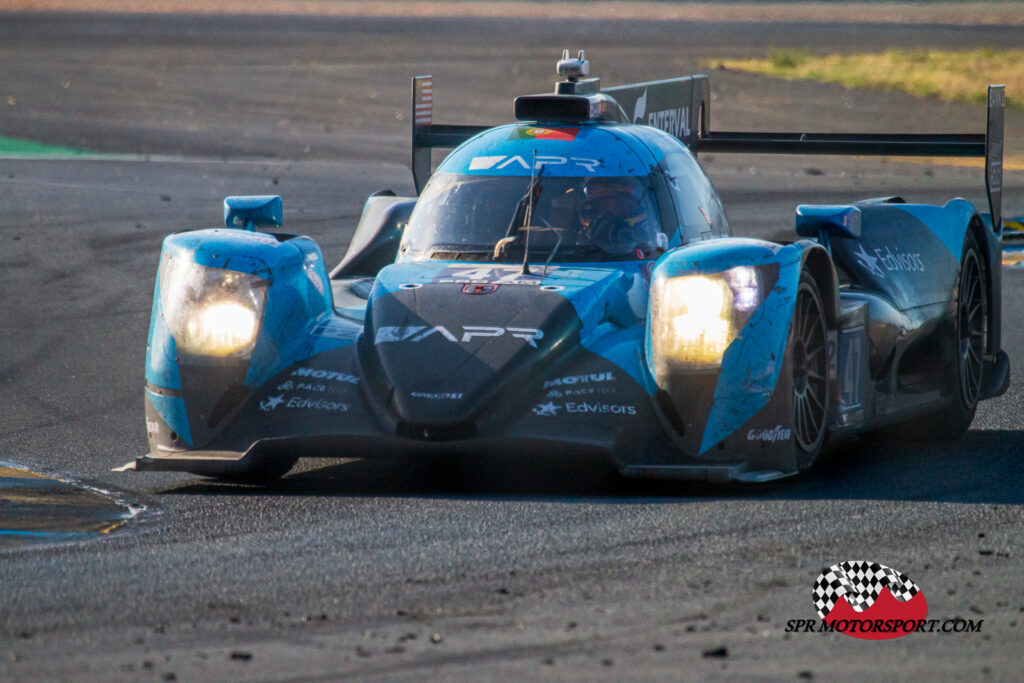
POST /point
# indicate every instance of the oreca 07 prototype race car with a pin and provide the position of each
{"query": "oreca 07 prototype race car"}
(569, 281)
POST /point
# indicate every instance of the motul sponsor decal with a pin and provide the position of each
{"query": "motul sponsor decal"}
(465, 334)
(580, 379)
(325, 374)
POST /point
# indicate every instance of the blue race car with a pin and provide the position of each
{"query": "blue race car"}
(569, 281)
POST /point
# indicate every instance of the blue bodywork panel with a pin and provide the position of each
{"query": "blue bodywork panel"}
(436, 355)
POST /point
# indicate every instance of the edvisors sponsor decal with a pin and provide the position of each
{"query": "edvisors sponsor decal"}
(301, 402)
(551, 409)
(887, 260)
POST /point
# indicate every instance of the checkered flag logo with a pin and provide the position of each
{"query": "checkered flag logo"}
(860, 583)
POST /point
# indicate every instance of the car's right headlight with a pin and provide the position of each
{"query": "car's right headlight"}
(211, 311)
(694, 318)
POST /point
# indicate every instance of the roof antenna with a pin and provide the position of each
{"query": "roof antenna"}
(574, 71)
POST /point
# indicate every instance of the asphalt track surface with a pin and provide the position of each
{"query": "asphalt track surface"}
(403, 570)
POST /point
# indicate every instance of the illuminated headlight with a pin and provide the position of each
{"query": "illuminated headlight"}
(211, 311)
(694, 318)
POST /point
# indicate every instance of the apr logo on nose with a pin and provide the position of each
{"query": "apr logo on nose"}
(417, 333)
(868, 600)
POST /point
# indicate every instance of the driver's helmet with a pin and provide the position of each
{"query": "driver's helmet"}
(612, 211)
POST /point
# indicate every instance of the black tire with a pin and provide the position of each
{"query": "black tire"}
(808, 353)
(970, 336)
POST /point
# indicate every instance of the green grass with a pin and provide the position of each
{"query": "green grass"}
(955, 76)
(27, 148)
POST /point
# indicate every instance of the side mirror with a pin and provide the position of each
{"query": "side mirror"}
(253, 212)
(834, 221)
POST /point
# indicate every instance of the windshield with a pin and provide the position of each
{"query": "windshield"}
(579, 219)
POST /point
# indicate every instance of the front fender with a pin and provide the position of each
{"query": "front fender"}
(747, 393)
(190, 395)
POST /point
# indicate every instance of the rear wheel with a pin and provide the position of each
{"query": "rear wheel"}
(963, 378)
(808, 352)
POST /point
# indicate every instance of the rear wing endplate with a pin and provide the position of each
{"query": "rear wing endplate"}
(681, 107)
(426, 134)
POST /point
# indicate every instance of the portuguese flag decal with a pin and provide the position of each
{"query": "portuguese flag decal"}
(543, 133)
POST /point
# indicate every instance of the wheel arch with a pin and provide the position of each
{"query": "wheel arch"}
(991, 256)
(818, 263)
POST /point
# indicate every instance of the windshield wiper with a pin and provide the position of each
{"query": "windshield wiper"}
(525, 207)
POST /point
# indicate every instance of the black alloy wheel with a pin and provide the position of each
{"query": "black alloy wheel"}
(809, 357)
(972, 313)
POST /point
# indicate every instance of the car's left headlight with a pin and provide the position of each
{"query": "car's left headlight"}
(211, 311)
(694, 318)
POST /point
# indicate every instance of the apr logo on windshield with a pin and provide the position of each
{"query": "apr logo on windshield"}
(417, 333)
(500, 163)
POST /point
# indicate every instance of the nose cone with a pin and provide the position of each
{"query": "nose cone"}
(445, 351)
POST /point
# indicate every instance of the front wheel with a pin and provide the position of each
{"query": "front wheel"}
(808, 352)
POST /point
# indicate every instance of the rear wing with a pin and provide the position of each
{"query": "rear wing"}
(988, 145)
(681, 107)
